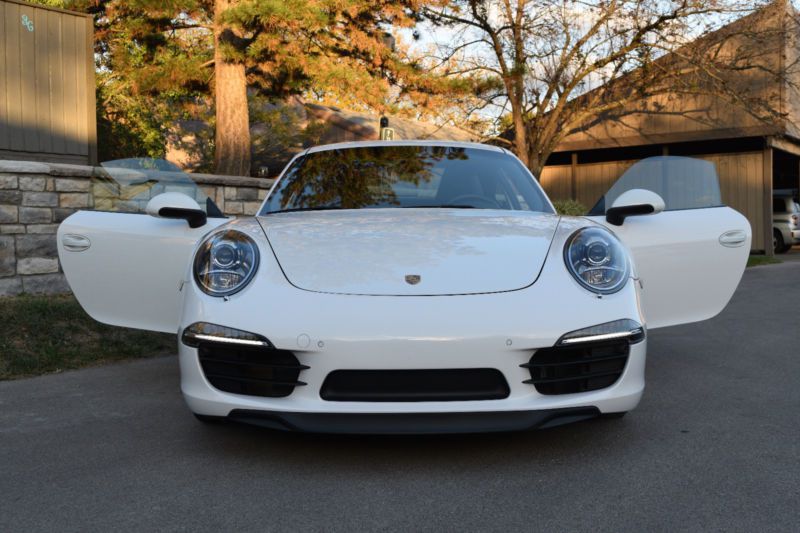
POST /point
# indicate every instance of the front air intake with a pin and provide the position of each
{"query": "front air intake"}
(252, 371)
(423, 385)
(578, 368)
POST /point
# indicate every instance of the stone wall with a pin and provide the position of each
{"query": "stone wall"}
(36, 197)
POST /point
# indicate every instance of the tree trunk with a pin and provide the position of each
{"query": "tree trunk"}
(520, 136)
(536, 168)
(232, 137)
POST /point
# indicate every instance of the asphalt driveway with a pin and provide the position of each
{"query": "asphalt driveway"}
(713, 446)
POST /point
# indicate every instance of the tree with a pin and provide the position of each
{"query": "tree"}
(554, 64)
(152, 63)
(161, 61)
(163, 52)
(332, 50)
(232, 133)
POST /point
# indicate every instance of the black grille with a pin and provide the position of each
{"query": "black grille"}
(253, 371)
(581, 368)
(434, 385)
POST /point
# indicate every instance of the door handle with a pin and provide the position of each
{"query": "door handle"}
(75, 243)
(733, 238)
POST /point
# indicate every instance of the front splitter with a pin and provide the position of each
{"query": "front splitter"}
(413, 423)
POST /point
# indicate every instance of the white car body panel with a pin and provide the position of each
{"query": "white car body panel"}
(454, 251)
(687, 273)
(385, 332)
(130, 274)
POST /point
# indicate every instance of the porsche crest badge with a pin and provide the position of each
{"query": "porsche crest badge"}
(413, 279)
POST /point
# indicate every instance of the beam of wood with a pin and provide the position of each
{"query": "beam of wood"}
(574, 176)
(766, 201)
(784, 144)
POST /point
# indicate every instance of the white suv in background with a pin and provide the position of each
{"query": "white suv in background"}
(785, 221)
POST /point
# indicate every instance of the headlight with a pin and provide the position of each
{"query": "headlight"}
(225, 263)
(597, 260)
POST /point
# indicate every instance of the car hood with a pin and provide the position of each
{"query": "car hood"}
(410, 252)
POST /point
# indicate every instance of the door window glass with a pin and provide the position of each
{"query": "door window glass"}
(682, 182)
(127, 185)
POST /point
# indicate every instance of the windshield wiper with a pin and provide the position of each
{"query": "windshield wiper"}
(318, 208)
(443, 206)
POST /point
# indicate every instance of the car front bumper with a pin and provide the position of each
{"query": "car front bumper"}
(330, 332)
(305, 410)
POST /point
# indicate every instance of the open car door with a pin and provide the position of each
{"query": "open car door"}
(689, 258)
(127, 268)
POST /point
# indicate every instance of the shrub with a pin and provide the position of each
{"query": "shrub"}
(570, 208)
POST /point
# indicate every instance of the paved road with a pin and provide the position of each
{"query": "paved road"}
(713, 446)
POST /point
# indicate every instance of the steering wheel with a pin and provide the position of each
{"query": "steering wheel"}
(482, 201)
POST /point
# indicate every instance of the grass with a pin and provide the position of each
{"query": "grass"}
(45, 334)
(758, 260)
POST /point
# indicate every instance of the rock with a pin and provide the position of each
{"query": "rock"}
(72, 185)
(8, 261)
(8, 182)
(10, 229)
(37, 265)
(73, 199)
(24, 167)
(35, 215)
(40, 199)
(29, 183)
(9, 213)
(10, 197)
(10, 286)
(36, 246)
(45, 284)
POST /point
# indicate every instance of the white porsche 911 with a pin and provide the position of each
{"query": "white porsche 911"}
(410, 287)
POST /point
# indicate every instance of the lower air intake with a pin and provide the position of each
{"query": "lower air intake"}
(434, 385)
(577, 368)
(252, 371)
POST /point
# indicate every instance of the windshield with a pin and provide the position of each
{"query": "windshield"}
(406, 176)
(127, 185)
(682, 182)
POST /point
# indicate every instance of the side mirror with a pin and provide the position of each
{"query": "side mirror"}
(177, 205)
(634, 202)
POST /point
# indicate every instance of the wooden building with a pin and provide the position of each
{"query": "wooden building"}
(753, 157)
(47, 98)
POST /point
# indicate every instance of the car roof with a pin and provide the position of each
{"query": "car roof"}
(410, 142)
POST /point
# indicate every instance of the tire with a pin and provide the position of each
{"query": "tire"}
(777, 242)
(207, 419)
(613, 416)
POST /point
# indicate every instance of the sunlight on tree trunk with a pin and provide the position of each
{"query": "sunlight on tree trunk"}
(232, 138)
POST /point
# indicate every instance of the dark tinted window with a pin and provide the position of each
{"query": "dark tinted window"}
(406, 176)
(778, 205)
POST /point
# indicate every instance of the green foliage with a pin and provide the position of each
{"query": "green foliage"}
(73, 339)
(152, 68)
(760, 260)
(570, 208)
(63, 4)
(127, 125)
